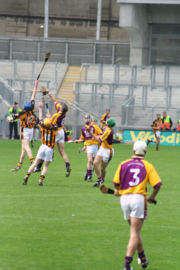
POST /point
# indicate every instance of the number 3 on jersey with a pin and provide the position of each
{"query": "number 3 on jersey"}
(136, 179)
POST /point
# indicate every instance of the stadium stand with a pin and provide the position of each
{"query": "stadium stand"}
(149, 89)
(135, 77)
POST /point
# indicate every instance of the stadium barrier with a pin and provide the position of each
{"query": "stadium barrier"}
(71, 51)
(170, 138)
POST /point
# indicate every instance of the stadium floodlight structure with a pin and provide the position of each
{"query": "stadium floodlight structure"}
(46, 17)
(164, 2)
(98, 27)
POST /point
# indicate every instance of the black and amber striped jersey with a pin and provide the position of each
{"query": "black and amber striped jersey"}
(157, 125)
(28, 118)
(48, 135)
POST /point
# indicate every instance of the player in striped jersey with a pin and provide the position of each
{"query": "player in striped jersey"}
(90, 143)
(46, 150)
(156, 126)
(57, 120)
(28, 120)
(130, 182)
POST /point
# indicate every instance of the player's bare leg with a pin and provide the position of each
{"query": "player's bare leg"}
(141, 255)
(27, 148)
(89, 167)
(44, 171)
(65, 158)
(157, 143)
(30, 170)
(22, 156)
(134, 240)
(97, 161)
(103, 169)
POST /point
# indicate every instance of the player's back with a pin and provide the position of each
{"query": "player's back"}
(48, 135)
(133, 175)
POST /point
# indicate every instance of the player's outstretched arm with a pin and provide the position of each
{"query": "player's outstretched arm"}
(40, 111)
(51, 96)
(78, 141)
(34, 90)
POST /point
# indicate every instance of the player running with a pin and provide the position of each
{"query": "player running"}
(46, 150)
(156, 126)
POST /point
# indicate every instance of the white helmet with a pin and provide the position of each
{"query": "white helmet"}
(139, 148)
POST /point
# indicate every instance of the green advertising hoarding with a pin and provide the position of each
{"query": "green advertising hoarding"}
(167, 137)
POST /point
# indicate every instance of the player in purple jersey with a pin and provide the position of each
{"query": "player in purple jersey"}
(105, 152)
(130, 182)
(91, 144)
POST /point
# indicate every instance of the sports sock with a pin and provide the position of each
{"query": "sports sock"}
(41, 178)
(89, 172)
(128, 260)
(39, 165)
(31, 159)
(142, 256)
(19, 164)
(67, 165)
(27, 175)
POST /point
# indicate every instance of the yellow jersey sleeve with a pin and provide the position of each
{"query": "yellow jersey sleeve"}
(107, 138)
(98, 130)
(58, 107)
(55, 118)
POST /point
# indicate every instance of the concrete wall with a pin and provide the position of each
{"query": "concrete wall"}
(136, 20)
(163, 14)
(60, 8)
(67, 19)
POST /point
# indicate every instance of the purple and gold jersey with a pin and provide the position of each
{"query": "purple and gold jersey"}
(58, 107)
(107, 138)
(88, 137)
(58, 118)
(133, 174)
(104, 117)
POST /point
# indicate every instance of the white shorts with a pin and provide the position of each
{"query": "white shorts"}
(60, 136)
(133, 205)
(92, 149)
(28, 133)
(105, 153)
(45, 153)
(158, 134)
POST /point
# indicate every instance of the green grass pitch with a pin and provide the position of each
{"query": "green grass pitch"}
(69, 225)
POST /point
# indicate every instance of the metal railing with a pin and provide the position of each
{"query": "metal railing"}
(6, 92)
(152, 76)
(142, 117)
(13, 70)
(71, 51)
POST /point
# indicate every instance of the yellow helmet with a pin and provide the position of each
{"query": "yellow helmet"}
(47, 122)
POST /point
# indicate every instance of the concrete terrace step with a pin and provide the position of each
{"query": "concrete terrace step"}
(72, 76)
